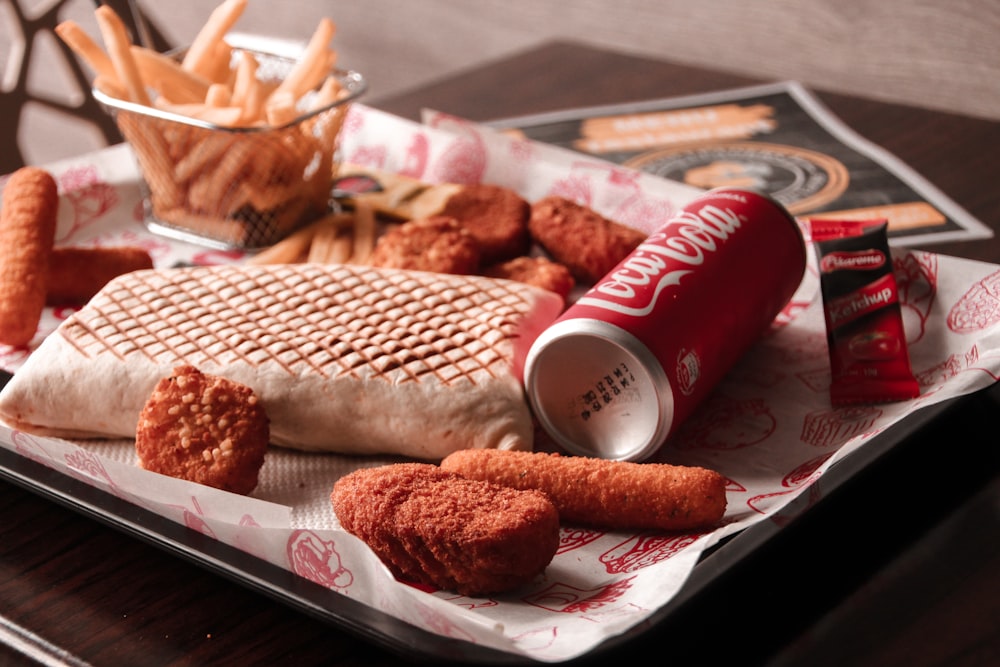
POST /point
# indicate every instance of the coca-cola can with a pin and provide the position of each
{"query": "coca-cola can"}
(624, 365)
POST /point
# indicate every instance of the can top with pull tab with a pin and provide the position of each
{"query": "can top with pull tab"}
(616, 401)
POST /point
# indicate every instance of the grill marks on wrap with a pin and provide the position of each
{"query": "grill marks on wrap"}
(334, 320)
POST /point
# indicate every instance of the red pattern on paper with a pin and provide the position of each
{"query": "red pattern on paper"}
(572, 600)
(576, 538)
(317, 560)
(725, 423)
(832, 428)
(916, 285)
(417, 155)
(978, 308)
(801, 475)
(642, 551)
(88, 195)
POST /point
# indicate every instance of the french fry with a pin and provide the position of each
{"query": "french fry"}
(178, 138)
(293, 213)
(268, 196)
(253, 106)
(340, 252)
(244, 81)
(110, 86)
(176, 84)
(364, 233)
(280, 108)
(198, 157)
(233, 183)
(220, 64)
(153, 154)
(126, 70)
(219, 95)
(314, 64)
(291, 249)
(87, 49)
(219, 184)
(119, 47)
(330, 244)
(322, 243)
(225, 116)
(327, 94)
(201, 55)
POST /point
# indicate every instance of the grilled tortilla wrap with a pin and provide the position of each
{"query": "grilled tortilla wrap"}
(345, 358)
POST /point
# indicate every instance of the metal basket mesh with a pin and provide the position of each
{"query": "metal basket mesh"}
(236, 187)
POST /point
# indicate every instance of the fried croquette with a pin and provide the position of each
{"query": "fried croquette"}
(27, 233)
(438, 243)
(579, 237)
(538, 271)
(77, 274)
(205, 429)
(604, 493)
(439, 529)
(497, 217)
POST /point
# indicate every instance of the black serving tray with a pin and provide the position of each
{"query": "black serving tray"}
(866, 500)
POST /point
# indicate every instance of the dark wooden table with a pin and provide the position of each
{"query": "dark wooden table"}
(924, 590)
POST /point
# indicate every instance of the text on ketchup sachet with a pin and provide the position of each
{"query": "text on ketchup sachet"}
(869, 359)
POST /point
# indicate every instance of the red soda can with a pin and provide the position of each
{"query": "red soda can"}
(622, 367)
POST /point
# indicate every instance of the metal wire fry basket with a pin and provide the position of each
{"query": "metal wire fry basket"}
(237, 187)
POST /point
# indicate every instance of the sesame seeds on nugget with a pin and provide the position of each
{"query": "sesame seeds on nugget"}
(205, 429)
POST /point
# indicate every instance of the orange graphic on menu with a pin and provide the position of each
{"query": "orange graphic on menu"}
(635, 132)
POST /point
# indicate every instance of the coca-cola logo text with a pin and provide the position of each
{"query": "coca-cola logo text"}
(686, 240)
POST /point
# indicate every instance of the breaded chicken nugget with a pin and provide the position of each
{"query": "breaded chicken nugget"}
(538, 271)
(27, 233)
(439, 529)
(604, 493)
(205, 429)
(437, 243)
(579, 237)
(497, 217)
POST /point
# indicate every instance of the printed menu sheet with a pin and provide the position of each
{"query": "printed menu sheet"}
(778, 138)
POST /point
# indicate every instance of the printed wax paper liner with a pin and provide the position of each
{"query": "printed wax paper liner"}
(768, 427)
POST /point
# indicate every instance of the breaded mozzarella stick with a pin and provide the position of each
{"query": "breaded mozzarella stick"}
(604, 493)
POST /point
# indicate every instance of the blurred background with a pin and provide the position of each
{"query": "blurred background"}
(938, 55)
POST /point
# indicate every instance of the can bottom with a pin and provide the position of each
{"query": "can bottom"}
(598, 390)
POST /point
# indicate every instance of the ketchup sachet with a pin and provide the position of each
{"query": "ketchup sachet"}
(864, 326)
